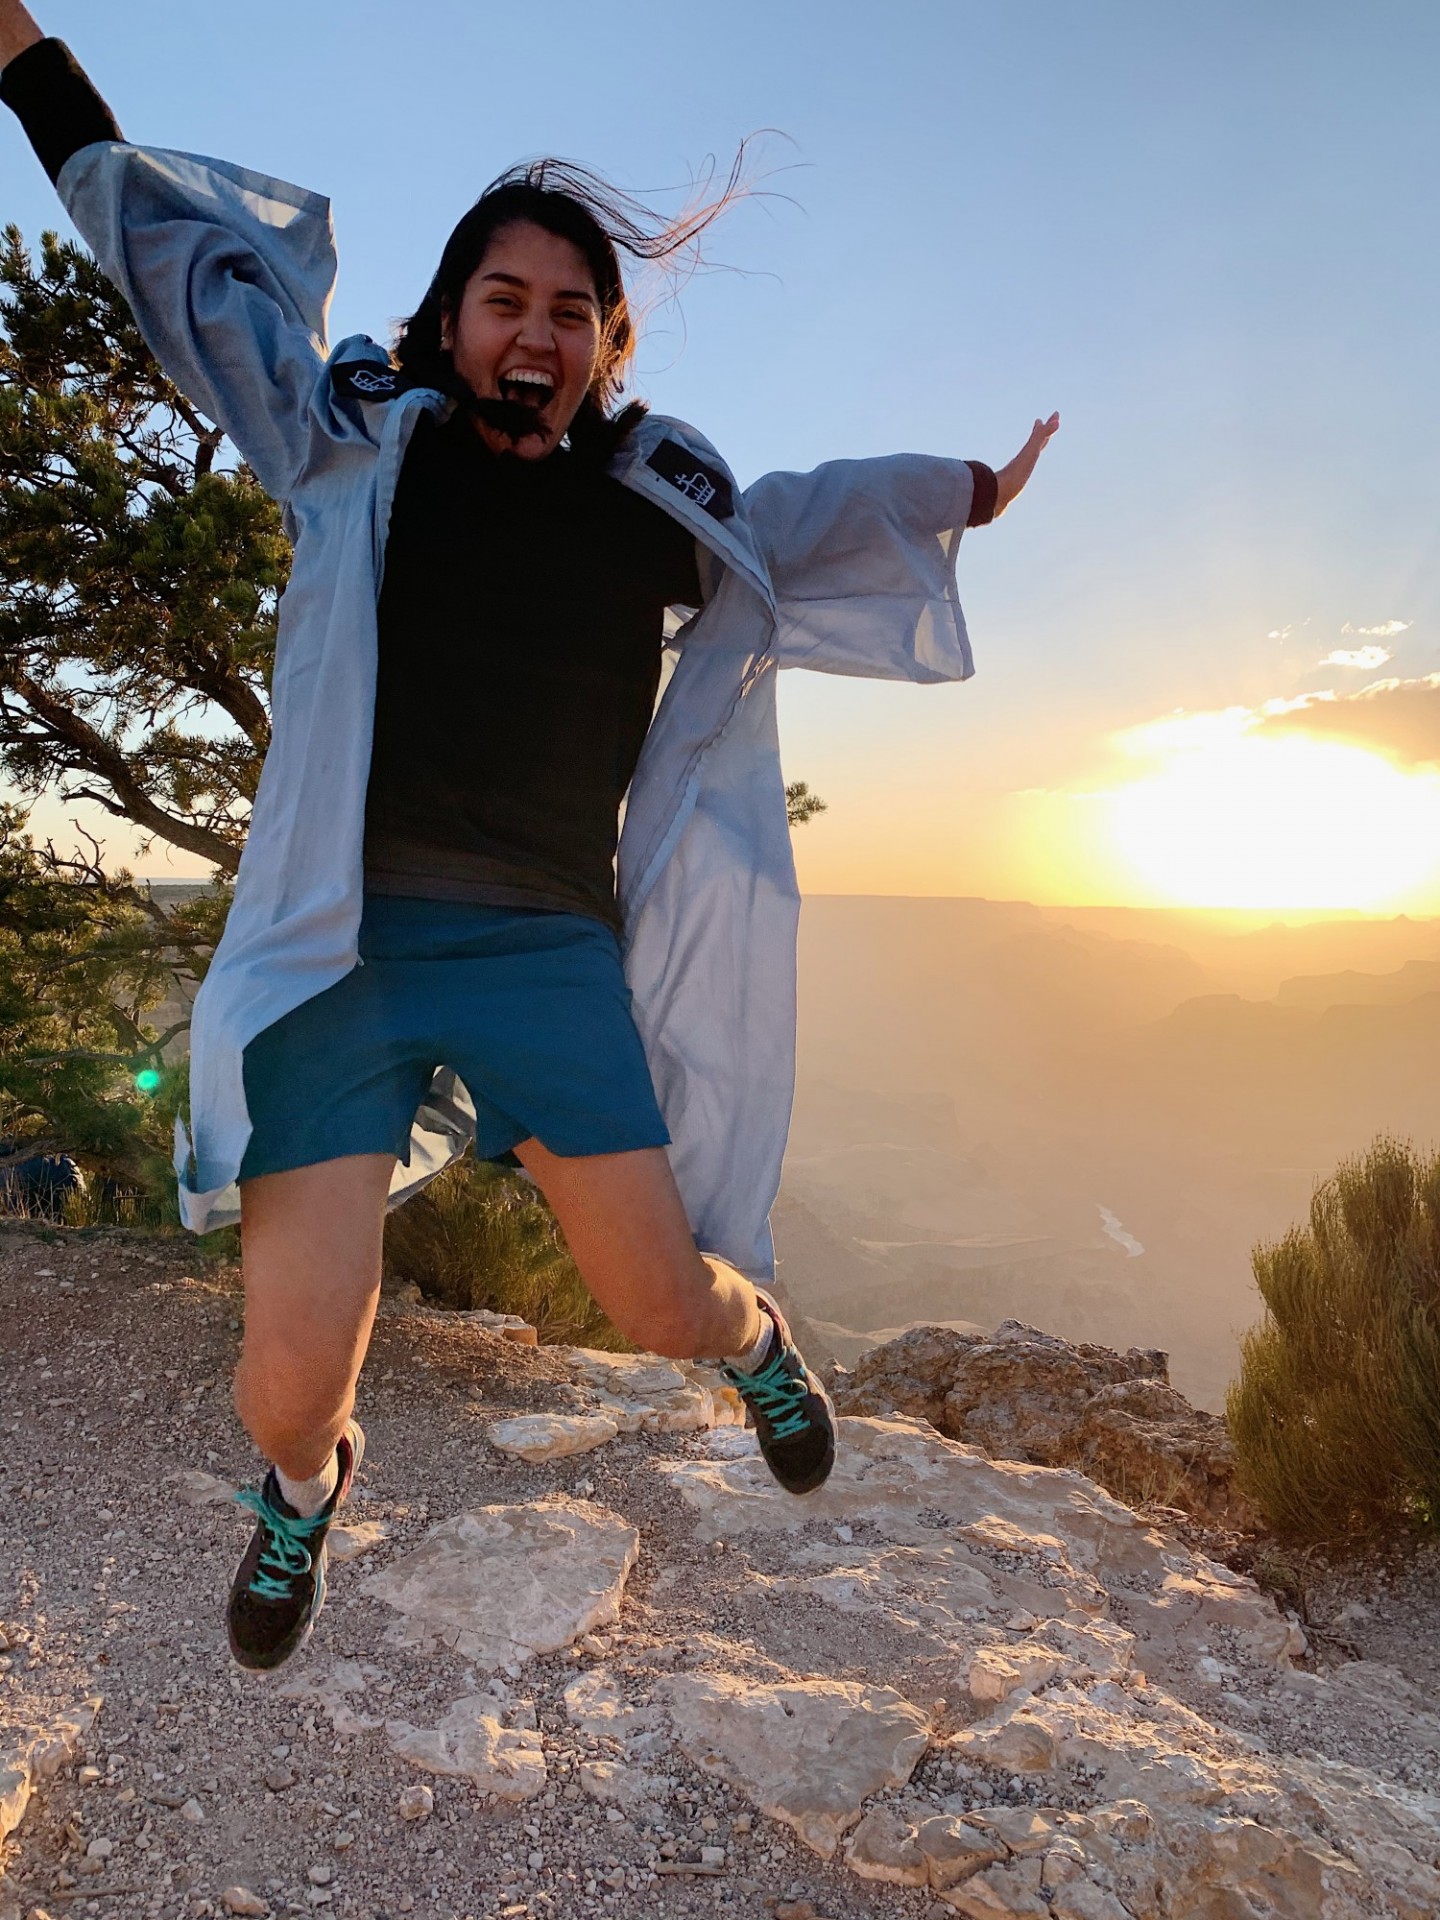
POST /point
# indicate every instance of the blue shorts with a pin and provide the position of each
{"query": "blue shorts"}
(529, 1008)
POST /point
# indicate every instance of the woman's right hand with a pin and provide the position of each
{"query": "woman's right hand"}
(18, 30)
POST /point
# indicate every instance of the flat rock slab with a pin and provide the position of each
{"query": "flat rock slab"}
(552, 1436)
(1044, 1537)
(501, 1584)
(807, 1752)
(471, 1744)
(645, 1394)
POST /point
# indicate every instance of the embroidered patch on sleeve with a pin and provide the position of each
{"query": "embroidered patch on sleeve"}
(365, 380)
(707, 487)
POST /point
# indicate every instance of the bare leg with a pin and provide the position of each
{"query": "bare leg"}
(311, 1241)
(625, 1223)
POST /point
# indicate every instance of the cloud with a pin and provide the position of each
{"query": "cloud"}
(1399, 718)
(1367, 657)
(1387, 631)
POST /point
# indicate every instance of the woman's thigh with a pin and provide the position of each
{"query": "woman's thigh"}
(311, 1243)
(624, 1222)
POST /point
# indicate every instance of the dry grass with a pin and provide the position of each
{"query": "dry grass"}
(482, 1237)
(1336, 1413)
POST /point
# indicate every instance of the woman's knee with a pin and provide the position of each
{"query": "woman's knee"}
(286, 1399)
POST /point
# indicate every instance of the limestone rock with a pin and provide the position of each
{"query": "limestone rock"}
(39, 1757)
(1025, 1395)
(807, 1752)
(995, 1673)
(552, 1436)
(470, 1743)
(996, 1892)
(345, 1543)
(509, 1326)
(329, 1689)
(200, 1489)
(643, 1393)
(955, 1849)
(241, 1900)
(946, 1524)
(1186, 1808)
(14, 1791)
(501, 1584)
(883, 1847)
(595, 1702)
(629, 1788)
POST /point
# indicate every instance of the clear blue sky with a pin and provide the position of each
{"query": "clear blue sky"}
(1206, 233)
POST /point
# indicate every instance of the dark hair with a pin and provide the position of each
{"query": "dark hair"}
(576, 205)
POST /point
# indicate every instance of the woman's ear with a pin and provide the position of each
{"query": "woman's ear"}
(447, 331)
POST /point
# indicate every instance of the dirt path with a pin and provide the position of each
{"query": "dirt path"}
(115, 1361)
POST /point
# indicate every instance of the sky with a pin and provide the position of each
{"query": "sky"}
(1207, 635)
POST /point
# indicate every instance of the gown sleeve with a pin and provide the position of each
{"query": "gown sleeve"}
(862, 558)
(228, 273)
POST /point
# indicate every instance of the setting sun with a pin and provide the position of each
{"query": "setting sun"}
(1235, 820)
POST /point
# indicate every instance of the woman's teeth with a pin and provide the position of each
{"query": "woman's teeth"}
(528, 389)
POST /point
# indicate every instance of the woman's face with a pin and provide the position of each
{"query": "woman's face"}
(527, 333)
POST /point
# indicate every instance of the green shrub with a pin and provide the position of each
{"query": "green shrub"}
(479, 1236)
(1336, 1413)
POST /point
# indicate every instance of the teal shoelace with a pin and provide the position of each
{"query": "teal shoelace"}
(775, 1393)
(285, 1556)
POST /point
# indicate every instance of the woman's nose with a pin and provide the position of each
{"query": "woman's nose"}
(535, 331)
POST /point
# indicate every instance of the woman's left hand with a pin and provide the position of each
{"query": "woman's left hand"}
(1012, 477)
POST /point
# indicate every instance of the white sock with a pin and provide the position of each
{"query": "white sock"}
(307, 1497)
(754, 1357)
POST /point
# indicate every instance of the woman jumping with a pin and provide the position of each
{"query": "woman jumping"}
(440, 938)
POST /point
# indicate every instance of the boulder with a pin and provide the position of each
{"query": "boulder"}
(1025, 1395)
(501, 1584)
(806, 1751)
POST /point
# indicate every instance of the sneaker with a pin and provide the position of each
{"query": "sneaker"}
(794, 1420)
(280, 1585)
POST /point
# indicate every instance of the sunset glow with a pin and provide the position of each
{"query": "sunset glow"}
(1233, 820)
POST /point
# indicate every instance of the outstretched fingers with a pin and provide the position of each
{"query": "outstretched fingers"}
(1012, 477)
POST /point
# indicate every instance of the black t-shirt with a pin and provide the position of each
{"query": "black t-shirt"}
(521, 620)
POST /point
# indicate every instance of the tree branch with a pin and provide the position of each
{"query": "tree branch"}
(96, 755)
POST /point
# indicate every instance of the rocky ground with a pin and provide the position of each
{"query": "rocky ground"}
(637, 1679)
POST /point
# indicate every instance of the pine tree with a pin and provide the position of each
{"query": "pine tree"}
(140, 572)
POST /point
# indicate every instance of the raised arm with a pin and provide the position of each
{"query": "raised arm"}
(862, 558)
(228, 273)
(17, 30)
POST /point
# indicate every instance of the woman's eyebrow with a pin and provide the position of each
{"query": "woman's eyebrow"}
(562, 293)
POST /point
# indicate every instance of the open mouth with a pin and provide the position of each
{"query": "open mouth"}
(523, 388)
